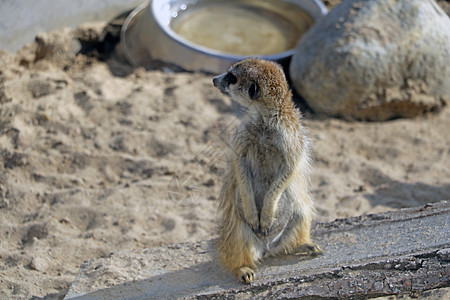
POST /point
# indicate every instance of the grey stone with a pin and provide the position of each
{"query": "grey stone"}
(375, 60)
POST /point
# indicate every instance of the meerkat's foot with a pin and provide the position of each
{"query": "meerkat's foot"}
(246, 275)
(309, 249)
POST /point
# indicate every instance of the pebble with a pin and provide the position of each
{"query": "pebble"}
(38, 264)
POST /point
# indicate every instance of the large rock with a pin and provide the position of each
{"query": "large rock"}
(375, 60)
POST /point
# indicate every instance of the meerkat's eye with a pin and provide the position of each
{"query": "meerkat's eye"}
(230, 79)
(253, 91)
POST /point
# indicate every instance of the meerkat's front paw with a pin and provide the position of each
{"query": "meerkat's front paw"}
(254, 225)
(260, 232)
(265, 225)
(246, 275)
(256, 230)
(264, 231)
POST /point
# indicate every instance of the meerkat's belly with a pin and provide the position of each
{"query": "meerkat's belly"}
(264, 173)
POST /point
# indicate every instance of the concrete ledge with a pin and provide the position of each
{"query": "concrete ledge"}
(402, 252)
(21, 20)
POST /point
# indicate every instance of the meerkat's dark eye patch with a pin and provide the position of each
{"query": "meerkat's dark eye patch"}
(230, 79)
(253, 91)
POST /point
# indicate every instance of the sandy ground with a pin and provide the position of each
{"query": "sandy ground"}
(96, 158)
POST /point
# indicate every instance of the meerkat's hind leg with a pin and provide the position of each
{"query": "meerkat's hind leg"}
(302, 237)
(296, 239)
(239, 249)
(242, 261)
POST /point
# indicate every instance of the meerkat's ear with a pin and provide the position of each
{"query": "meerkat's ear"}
(253, 91)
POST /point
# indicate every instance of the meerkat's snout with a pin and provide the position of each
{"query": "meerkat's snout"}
(223, 82)
(218, 79)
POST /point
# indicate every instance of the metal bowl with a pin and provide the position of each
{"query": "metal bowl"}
(147, 35)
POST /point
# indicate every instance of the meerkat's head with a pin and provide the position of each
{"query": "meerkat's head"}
(255, 82)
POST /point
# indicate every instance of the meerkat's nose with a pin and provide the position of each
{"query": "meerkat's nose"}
(218, 79)
(224, 80)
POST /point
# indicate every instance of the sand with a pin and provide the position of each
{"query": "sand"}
(97, 158)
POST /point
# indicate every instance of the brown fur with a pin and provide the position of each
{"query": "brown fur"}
(265, 203)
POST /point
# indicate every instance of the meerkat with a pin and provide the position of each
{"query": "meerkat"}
(265, 206)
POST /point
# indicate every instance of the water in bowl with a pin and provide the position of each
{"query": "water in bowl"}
(243, 28)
